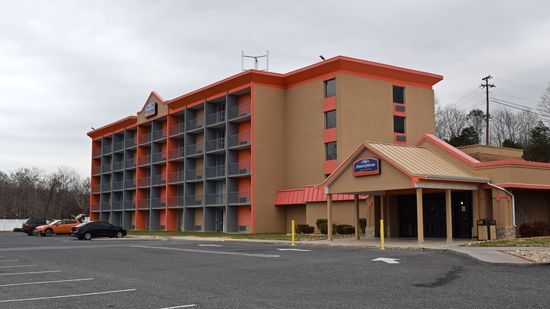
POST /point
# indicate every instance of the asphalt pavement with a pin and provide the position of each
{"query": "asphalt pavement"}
(61, 272)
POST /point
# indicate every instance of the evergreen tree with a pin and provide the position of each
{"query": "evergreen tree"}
(468, 136)
(539, 144)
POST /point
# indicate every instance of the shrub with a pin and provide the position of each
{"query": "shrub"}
(363, 224)
(319, 222)
(322, 227)
(527, 230)
(300, 228)
(309, 229)
(344, 229)
(541, 228)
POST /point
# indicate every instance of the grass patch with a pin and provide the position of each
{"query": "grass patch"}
(263, 236)
(519, 242)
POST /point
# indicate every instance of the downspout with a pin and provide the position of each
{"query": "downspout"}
(513, 201)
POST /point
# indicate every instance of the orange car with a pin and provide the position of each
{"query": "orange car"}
(57, 227)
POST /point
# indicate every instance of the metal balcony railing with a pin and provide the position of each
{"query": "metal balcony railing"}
(193, 200)
(143, 204)
(105, 206)
(215, 144)
(196, 123)
(215, 199)
(157, 203)
(194, 149)
(241, 168)
(176, 177)
(239, 111)
(241, 139)
(144, 138)
(158, 180)
(95, 207)
(144, 160)
(107, 149)
(130, 142)
(143, 182)
(176, 153)
(159, 156)
(129, 204)
(158, 134)
(177, 128)
(118, 185)
(176, 201)
(242, 197)
(215, 171)
(106, 187)
(129, 183)
(96, 152)
(118, 165)
(118, 146)
(117, 205)
(106, 168)
(130, 163)
(196, 174)
(216, 117)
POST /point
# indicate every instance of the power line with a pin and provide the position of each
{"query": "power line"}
(518, 107)
(521, 84)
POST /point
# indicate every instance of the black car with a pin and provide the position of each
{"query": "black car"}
(89, 230)
(29, 225)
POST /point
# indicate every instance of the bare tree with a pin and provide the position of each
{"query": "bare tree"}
(544, 105)
(449, 122)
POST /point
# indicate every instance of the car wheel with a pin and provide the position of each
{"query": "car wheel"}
(29, 233)
(87, 236)
(48, 232)
(118, 234)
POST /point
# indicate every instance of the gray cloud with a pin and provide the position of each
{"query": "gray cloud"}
(68, 65)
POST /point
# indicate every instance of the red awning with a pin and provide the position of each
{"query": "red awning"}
(308, 194)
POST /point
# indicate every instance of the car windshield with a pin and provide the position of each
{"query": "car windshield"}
(56, 222)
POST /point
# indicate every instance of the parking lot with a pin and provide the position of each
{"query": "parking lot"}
(60, 272)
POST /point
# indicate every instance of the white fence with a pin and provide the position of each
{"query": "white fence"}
(10, 224)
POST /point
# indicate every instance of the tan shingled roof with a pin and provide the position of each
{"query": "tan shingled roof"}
(421, 162)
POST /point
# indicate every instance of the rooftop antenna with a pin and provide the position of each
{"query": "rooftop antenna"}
(256, 62)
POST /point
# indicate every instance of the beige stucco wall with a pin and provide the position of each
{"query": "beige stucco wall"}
(162, 110)
(342, 212)
(268, 152)
(296, 213)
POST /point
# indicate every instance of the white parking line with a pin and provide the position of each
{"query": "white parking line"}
(32, 272)
(209, 245)
(44, 282)
(293, 249)
(182, 306)
(7, 261)
(65, 296)
(210, 252)
(14, 266)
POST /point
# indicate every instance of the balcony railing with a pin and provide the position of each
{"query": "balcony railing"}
(239, 111)
(106, 149)
(106, 168)
(157, 203)
(117, 205)
(95, 207)
(105, 206)
(215, 171)
(159, 156)
(196, 123)
(143, 182)
(106, 187)
(215, 117)
(158, 134)
(241, 139)
(143, 204)
(118, 146)
(196, 174)
(215, 144)
(176, 177)
(176, 201)
(129, 204)
(241, 168)
(144, 138)
(176, 153)
(193, 200)
(215, 199)
(195, 149)
(96, 152)
(117, 185)
(96, 170)
(144, 160)
(130, 163)
(118, 165)
(95, 188)
(177, 128)
(239, 197)
(130, 184)
(158, 180)
(130, 142)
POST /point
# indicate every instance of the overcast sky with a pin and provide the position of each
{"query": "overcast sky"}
(68, 65)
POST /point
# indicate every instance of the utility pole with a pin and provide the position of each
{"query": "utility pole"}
(487, 86)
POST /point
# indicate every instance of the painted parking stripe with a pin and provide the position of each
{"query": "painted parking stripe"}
(293, 249)
(8, 261)
(15, 266)
(65, 296)
(182, 306)
(209, 245)
(45, 282)
(32, 272)
(210, 252)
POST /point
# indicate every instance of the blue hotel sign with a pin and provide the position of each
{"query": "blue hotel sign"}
(366, 167)
(150, 109)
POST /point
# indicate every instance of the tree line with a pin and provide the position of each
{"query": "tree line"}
(525, 129)
(31, 192)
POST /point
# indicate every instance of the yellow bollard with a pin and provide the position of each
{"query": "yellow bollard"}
(293, 234)
(381, 234)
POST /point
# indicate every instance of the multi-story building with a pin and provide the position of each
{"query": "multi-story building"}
(223, 157)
